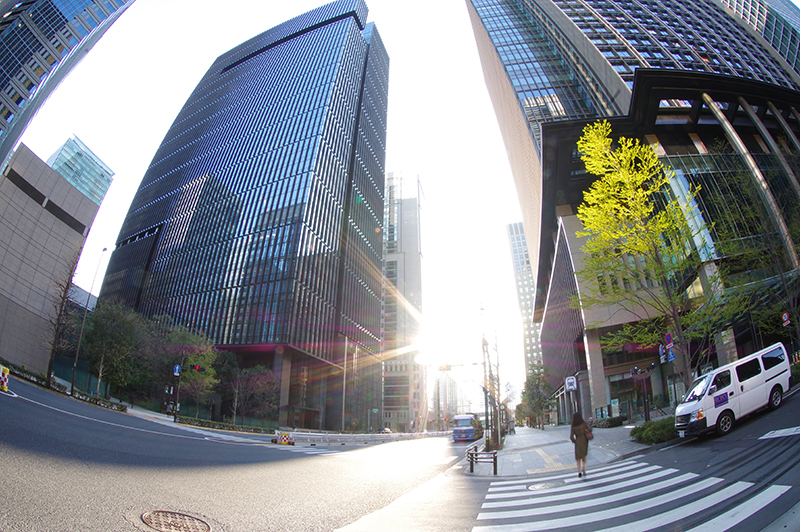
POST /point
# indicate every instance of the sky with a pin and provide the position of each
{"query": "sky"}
(122, 98)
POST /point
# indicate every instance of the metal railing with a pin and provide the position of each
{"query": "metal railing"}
(475, 456)
(316, 438)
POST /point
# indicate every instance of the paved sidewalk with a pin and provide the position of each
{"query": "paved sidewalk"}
(533, 451)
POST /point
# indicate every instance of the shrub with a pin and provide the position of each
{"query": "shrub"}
(609, 422)
(223, 426)
(795, 375)
(652, 432)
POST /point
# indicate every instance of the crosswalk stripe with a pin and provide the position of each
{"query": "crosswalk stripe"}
(614, 490)
(748, 508)
(573, 484)
(584, 518)
(649, 523)
(638, 467)
(684, 511)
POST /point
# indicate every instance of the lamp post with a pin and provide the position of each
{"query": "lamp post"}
(83, 322)
(344, 380)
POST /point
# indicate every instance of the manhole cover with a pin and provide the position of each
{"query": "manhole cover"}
(546, 485)
(174, 522)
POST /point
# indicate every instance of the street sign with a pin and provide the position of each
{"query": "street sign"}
(671, 355)
(668, 340)
(785, 319)
(176, 370)
(661, 355)
(571, 384)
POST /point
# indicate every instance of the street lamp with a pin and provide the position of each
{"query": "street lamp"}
(344, 380)
(83, 322)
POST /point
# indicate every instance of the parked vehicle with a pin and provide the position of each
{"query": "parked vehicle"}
(717, 399)
(467, 427)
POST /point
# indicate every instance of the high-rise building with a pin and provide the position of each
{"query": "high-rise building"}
(526, 290)
(778, 21)
(259, 221)
(82, 168)
(45, 220)
(684, 77)
(41, 42)
(405, 402)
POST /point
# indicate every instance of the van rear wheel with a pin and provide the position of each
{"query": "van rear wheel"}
(775, 398)
(724, 423)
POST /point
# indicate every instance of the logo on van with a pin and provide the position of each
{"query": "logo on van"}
(721, 399)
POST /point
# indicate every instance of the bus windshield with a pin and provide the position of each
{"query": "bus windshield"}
(463, 422)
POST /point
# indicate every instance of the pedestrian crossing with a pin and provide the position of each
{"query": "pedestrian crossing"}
(628, 496)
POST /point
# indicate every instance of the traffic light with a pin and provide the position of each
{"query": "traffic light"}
(196, 367)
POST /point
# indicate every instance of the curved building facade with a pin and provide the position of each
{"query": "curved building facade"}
(41, 41)
(553, 66)
(259, 220)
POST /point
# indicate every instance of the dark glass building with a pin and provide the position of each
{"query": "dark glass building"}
(259, 220)
(688, 78)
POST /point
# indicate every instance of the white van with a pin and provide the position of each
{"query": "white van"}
(718, 398)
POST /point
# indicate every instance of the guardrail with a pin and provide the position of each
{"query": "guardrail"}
(316, 438)
(475, 456)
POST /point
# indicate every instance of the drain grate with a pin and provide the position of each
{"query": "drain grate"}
(546, 485)
(174, 522)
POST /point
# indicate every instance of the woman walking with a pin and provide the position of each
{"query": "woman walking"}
(580, 434)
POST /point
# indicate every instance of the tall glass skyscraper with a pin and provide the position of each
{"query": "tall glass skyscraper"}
(82, 168)
(526, 289)
(778, 21)
(41, 41)
(688, 78)
(259, 219)
(405, 401)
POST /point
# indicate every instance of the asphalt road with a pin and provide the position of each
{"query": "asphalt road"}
(66, 465)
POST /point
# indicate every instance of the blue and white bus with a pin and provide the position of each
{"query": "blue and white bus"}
(467, 427)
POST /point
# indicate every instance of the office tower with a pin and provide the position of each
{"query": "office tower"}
(778, 21)
(405, 404)
(526, 289)
(259, 220)
(45, 220)
(446, 402)
(41, 42)
(82, 168)
(684, 77)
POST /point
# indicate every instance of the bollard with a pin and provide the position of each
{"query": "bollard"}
(3, 379)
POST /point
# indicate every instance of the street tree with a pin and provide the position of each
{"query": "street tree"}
(646, 247)
(199, 384)
(536, 394)
(62, 320)
(111, 338)
(251, 389)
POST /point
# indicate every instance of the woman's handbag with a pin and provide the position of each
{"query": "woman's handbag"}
(589, 434)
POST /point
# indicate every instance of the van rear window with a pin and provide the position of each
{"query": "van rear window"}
(773, 358)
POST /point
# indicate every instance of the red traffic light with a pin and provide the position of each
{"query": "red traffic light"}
(196, 367)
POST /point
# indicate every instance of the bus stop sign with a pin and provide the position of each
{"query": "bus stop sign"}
(571, 384)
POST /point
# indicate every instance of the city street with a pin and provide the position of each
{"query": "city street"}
(69, 466)
(72, 466)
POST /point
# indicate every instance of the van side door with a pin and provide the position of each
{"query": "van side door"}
(752, 395)
(723, 394)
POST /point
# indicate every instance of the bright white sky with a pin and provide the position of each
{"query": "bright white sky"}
(123, 97)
